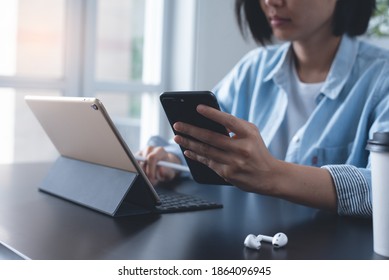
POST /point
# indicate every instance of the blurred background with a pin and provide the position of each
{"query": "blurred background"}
(125, 52)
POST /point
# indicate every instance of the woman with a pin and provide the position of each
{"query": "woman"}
(301, 111)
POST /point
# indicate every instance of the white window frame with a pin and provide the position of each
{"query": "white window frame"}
(79, 65)
(150, 107)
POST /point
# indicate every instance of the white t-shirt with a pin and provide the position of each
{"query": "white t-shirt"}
(301, 103)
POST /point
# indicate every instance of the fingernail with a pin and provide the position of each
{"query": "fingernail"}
(177, 139)
(200, 108)
(176, 126)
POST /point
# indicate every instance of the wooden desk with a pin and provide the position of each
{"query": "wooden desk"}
(40, 226)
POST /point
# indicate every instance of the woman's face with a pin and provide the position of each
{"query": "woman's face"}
(299, 20)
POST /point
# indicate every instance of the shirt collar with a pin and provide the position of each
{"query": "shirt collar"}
(279, 63)
(341, 67)
(339, 72)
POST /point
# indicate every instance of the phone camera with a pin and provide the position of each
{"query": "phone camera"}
(182, 100)
(94, 107)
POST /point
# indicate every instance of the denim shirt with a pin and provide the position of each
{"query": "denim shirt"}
(353, 104)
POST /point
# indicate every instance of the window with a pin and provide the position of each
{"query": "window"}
(109, 49)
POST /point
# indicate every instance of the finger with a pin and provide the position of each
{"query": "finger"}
(145, 152)
(231, 123)
(202, 149)
(154, 155)
(215, 166)
(165, 174)
(145, 165)
(149, 150)
(194, 156)
(218, 140)
(141, 163)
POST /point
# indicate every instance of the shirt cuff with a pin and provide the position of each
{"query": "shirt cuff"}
(353, 190)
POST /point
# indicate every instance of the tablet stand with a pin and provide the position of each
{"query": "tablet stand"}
(108, 190)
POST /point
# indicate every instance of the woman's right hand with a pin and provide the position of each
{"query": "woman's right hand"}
(154, 172)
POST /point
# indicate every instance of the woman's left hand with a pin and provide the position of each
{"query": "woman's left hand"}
(243, 160)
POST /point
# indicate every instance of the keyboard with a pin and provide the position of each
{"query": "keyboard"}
(176, 202)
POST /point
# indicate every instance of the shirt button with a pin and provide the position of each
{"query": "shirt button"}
(296, 139)
(314, 160)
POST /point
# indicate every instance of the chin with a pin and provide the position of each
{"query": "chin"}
(284, 36)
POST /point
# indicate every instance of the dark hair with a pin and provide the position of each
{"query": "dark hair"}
(350, 17)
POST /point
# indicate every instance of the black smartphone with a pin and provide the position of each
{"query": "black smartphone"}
(181, 106)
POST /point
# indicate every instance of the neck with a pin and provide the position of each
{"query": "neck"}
(313, 58)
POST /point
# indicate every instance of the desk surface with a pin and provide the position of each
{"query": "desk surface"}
(39, 226)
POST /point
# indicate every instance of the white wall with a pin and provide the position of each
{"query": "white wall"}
(219, 44)
(206, 43)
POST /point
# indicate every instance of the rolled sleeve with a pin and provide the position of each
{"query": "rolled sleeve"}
(353, 190)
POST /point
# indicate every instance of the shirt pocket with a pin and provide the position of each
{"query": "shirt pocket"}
(333, 155)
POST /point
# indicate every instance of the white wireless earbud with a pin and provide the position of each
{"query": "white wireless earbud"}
(254, 242)
(278, 240)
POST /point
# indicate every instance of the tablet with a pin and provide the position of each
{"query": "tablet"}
(81, 129)
(96, 168)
